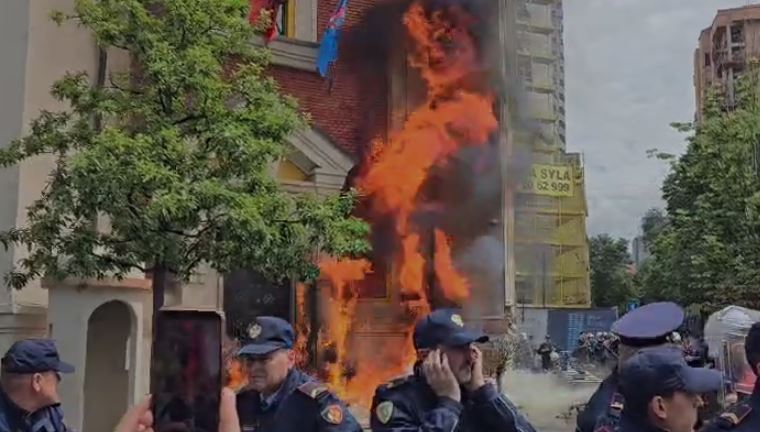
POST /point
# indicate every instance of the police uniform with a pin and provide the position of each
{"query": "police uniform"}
(649, 325)
(745, 415)
(659, 371)
(301, 404)
(409, 404)
(24, 357)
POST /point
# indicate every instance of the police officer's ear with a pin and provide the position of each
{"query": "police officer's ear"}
(291, 358)
(658, 407)
(37, 385)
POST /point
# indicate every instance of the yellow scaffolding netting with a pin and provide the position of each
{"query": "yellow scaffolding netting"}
(551, 245)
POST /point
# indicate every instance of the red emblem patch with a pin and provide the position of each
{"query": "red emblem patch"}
(333, 414)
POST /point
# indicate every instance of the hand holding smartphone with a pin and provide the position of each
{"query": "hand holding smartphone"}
(186, 371)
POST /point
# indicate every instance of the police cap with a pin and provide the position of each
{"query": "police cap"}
(31, 356)
(266, 335)
(445, 327)
(648, 325)
(659, 371)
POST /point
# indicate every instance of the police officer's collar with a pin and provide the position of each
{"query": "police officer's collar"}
(8, 402)
(640, 422)
(756, 393)
(289, 384)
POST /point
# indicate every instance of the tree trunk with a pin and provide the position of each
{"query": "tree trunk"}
(160, 276)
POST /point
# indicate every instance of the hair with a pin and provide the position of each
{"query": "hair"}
(640, 408)
(12, 383)
(752, 347)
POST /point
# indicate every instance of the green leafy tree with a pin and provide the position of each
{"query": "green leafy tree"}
(175, 155)
(611, 281)
(708, 254)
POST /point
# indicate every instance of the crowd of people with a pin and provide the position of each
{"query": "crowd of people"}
(655, 385)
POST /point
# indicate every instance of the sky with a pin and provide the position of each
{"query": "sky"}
(629, 67)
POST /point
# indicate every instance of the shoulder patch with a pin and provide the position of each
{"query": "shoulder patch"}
(333, 414)
(313, 389)
(736, 414)
(384, 411)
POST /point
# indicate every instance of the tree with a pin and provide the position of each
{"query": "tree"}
(611, 282)
(708, 255)
(174, 155)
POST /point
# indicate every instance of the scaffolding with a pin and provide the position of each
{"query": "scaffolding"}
(551, 245)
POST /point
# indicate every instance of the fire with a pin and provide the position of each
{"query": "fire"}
(454, 116)
(303, 327)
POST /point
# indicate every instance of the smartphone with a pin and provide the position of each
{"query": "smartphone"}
(186, 371)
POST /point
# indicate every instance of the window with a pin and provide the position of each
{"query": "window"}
(523, 13)
(707, 60)
(737, 33)
(525, 68)
(283, 11)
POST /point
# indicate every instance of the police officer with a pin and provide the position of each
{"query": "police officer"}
(447, 391)
(662, 392)
(29, 376)
(279, 397)
(647, 326)
(744, 416)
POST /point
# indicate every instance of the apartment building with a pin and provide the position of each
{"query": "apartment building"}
(723, 53)
(551, 245)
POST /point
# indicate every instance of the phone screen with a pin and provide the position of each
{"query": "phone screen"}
(186, 371)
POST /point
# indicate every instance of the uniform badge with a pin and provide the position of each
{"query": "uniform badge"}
(333, 414)
(384, 411)
(254, 330)
(456, 319)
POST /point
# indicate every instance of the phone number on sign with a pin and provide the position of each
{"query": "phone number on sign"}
(548, 187)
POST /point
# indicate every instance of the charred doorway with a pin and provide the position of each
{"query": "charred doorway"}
(248, 294)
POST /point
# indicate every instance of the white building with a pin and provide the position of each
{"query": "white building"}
(102, 327)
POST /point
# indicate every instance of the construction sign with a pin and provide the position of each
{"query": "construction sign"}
(551, 180)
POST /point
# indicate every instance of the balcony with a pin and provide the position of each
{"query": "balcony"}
(542, 86)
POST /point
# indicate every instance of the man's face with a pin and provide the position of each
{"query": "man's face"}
(267, 373)
(45, 386)
(460, 362)
(678, 413)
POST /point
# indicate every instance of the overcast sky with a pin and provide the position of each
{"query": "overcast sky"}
(628, 76)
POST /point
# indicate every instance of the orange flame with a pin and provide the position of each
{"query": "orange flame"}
(452, 117)
(303, 328)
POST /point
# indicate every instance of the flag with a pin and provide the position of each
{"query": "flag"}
(328, 50)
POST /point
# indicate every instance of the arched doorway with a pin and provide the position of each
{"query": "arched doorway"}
(106, 380)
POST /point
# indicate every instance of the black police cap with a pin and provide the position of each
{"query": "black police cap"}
(266, 335)
(445, 327)
(658, 371)
(30, 356)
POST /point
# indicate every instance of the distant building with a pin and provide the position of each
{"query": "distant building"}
(724, 50)
(551, 244)
(639, 251)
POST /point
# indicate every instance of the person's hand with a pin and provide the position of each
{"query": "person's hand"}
(228, 415)
(439, 376)
(137, 419)
(477, 381)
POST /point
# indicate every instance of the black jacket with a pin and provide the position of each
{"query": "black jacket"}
(409, 405)
(301, 405)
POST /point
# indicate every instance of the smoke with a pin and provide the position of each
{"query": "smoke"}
(466, 196)
(546, 399)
